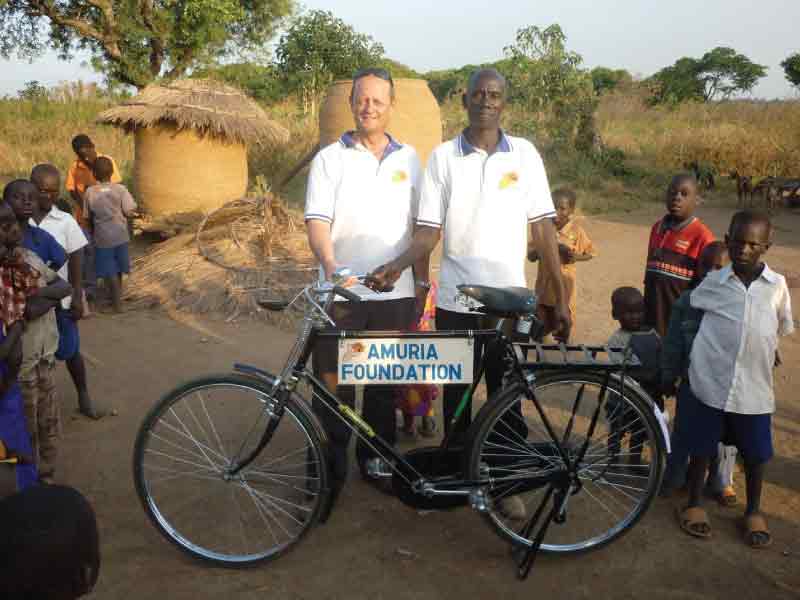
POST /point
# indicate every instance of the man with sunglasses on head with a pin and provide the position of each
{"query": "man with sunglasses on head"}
(361, 202)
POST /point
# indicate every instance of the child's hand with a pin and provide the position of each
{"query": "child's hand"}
(566, 254)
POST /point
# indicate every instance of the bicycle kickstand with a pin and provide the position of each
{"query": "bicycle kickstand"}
(526, 560)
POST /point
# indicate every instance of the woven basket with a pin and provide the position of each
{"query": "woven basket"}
(181, 172)
(415, 120)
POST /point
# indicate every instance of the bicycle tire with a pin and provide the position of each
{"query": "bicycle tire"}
(282, 497)
(608, 479)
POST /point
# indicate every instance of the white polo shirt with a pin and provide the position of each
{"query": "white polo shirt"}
(66, 231)
(370, 205)
(733, 354)
(484, 205)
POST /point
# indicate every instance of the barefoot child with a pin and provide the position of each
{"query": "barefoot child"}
(66, 231)
(40, 339)
(627, 307)
(676, 241)
(746, 306)
(80, 177)
(683, 325)
(573, 246)
(110, 205)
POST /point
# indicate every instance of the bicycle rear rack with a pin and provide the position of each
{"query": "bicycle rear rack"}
(563, 356)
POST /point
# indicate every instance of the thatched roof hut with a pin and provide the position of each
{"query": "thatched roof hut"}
(191, 137)
(205, 106)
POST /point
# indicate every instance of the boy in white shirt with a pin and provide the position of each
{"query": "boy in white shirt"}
(746, 307)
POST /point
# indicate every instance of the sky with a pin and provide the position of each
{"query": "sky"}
(641, 36)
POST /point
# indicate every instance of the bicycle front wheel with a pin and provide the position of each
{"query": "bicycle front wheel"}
(182, 471)
(613, 485)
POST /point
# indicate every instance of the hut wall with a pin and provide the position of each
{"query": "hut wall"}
(179, 172)
(415, 120)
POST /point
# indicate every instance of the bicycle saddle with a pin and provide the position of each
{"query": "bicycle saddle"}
(507, 301)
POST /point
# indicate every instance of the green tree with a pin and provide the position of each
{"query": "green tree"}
(547, 82)
(137, 41)
(319, 48)
(606, 80)
(677, 83)
(723, 72)
(262, 82)
(791, 68)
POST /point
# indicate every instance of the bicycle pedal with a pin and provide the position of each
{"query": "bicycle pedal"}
(378, 468)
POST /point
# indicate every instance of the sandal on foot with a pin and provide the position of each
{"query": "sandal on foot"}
(727, 497)
(756, 532)
(692, 519)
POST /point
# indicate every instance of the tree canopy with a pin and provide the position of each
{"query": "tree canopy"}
(606, 80)
(137, 41)
(319, 48)
(717, 75)
(547, 81)
(791, 68)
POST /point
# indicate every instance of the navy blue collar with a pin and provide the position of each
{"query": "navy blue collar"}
(348, 140)
(465, 148)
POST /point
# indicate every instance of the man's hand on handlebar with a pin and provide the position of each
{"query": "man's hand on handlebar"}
(383, 278)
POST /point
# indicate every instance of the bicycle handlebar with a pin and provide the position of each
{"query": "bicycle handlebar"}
(345, 293)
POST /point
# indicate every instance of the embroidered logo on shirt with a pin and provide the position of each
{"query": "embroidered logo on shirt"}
(682, 244)
(509, 179)
(399, 176)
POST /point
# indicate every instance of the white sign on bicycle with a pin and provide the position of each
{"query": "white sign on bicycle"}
(392, 361)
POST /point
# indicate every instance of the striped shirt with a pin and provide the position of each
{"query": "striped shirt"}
(672, 255)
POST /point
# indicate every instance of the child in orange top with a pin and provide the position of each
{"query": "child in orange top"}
(574, 246)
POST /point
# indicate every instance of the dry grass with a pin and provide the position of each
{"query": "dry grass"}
(754, 138)
(245, 250)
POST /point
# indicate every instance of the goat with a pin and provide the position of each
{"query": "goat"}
(744, 188)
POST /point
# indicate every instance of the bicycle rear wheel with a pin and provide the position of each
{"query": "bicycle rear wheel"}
(182, 471)
(615, 483)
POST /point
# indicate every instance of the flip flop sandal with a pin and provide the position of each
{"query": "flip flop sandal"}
(754, 525)
(690, 518)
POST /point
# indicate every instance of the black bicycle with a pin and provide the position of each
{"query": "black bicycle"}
(234, 468)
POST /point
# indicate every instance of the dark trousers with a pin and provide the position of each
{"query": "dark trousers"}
(447, 319)
(379, 400)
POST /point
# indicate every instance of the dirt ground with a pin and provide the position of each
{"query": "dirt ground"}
(375, 547)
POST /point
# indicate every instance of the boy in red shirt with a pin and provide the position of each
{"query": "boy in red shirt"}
(676, 241)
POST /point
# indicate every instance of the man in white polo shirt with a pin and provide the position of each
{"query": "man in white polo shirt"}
(360, 207)
(482, 191)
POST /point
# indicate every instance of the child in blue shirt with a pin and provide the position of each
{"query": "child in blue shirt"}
(683, 326)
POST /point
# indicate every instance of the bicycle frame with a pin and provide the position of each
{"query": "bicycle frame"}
(518, 368)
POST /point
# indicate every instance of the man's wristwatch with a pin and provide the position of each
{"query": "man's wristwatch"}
(426, 285)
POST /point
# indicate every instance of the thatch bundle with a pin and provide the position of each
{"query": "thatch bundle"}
(190, 144)
(249, 248)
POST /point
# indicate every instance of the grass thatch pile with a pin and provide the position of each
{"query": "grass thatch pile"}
(247, 249)
(203, 105)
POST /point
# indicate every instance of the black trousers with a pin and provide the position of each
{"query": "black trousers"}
(379, 400)
(447, 319)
